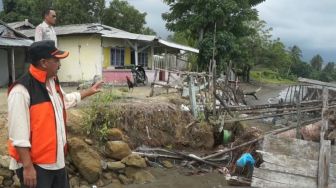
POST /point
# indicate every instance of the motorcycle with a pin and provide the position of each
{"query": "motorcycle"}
(139, 75)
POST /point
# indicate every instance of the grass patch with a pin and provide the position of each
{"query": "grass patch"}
(124, 89)
(97, 122)
(270, 77)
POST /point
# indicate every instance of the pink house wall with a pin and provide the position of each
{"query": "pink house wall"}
(118, 76)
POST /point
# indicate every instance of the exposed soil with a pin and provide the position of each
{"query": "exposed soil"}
(157, 122)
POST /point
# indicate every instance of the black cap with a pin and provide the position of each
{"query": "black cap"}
(45, 49)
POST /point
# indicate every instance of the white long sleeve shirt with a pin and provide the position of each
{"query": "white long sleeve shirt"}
(45, 32)
(19, 121)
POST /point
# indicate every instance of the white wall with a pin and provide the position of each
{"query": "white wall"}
(85, 59)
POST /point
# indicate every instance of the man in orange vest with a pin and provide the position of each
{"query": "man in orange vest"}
(36, 119)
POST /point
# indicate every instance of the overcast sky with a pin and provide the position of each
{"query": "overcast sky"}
(306, 23)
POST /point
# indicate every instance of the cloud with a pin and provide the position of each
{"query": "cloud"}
(308, 24)
(154, 9)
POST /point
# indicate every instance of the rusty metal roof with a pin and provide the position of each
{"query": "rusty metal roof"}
(11, 38)
(110, 32)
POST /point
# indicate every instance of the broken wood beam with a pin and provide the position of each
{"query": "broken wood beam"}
(269, 115)
(325, 146)
(222, 103)
(263, 106)
(316, 82)
(275, 132)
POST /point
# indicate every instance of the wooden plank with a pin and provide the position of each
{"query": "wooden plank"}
(185, 92)
(294, 147)
(289, 164)
(325, 145)
(315, 82)
(291, 147)
(257, 182)
(268, 115)
(283, 178)
(294, 165)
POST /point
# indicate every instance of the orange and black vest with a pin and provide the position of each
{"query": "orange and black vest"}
(43, 133)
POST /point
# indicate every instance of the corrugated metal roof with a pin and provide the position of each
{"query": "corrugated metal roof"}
(15, 42)
(11, 38)
(15, 25)
(178, 46)
(109, 32)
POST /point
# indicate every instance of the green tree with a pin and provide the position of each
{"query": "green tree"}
(231, 18)
(68, 11)
(120, 14)
(302, 69)
(148, 31)
(79, 11)
(295, 55)
(316, 62)
(328, 73)
(17, 10)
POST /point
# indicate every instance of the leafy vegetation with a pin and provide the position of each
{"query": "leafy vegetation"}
(119, 13)
(97, 122)
(242, 39)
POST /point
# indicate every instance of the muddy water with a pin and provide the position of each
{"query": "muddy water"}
(175, 178)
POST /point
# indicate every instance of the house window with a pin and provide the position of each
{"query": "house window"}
(117, 57)
(143, 59)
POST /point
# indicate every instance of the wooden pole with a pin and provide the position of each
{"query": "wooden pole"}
(214, 86)
(290, 95)
(298, 106)
(136, 54)
(214, 70)
(192, 96)
(13, 66)
(168, 82)
(287, 93)
(152, 89)
(325, 146)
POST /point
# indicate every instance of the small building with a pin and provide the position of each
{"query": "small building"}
(23, 25)
(13, 58)
(97, 49)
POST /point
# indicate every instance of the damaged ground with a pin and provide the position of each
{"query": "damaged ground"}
(104, 130)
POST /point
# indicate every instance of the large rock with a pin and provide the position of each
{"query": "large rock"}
(74, 182)
(6, 173)
(115, 165)
(16, 183)
(117, 150)
(1, 180)
(115, 134)
(86, 160)
(4, 161)
(134, 160)
(139, 176)
(75, 119)
(167, 164)
(8, 182)
(125, 180)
